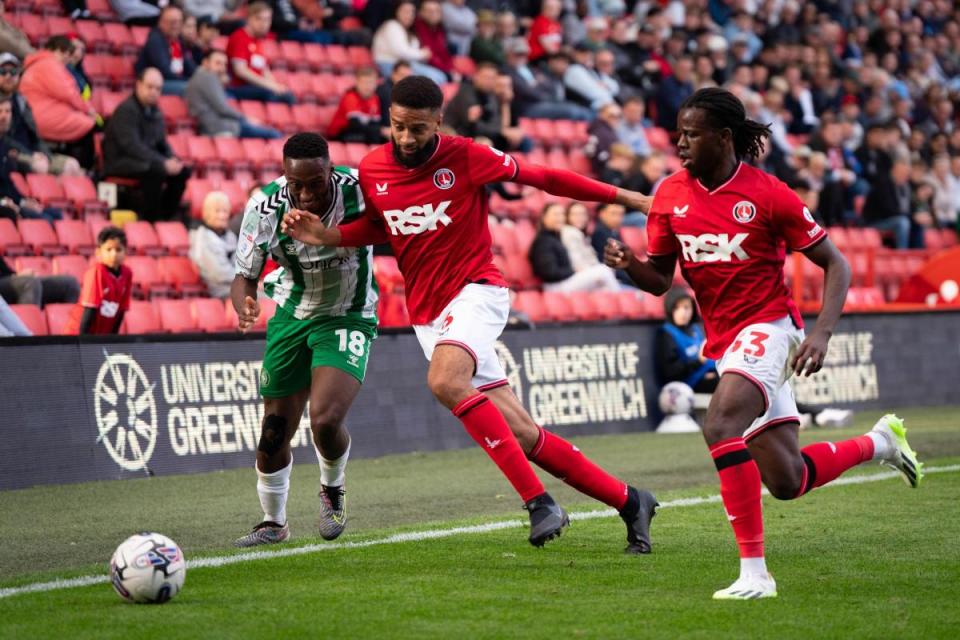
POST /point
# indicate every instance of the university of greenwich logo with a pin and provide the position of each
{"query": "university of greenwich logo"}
(125, 411)
(510, 367)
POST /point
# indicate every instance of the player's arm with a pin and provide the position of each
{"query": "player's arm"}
(567, 184)
(256, 233)
(654, 275)
(309, 229)
(836, 280)
(118, 321)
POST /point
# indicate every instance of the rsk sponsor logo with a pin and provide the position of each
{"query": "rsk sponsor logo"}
(713, 247)
(417, 219)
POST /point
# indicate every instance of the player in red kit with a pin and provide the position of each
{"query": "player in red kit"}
(730, 224)
(107, 287)
(425, 195)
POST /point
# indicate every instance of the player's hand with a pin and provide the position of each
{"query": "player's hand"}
(247, 316)
(616, 254)
(303, 226)
(634, 200)
(810, 355)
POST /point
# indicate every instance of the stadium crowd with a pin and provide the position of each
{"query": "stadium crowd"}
(176, 104)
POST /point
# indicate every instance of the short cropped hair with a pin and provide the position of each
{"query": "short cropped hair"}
(112, 233)
(417, 92)
(306, 146)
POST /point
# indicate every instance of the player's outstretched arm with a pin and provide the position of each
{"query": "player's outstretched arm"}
(836, 280)
(243, 295)
(567, 184)
(654, 275)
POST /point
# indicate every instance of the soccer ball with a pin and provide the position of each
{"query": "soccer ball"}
(676, 398)
(147, 567)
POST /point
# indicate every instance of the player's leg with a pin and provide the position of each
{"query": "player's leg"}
(563, 460)
(341, 348)
(735, 405)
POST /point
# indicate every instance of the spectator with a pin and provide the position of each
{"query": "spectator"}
(217, 11)
(20, 136)
(653, 169)
(672, 92)
(13, 204)
(62, 115)
(946, 203)
(207, 100)
(609, 222)
(429, 29)
(107, 288)
(358, 118)
(583, 83)
(136, 12)
(632, 130)
(12, 40)
(620, 168)
(213, 244)
(299, 21)
(167, 51)
(887, 206)
(26, 287)
(678, 352)
(460, 23)
(249, 67)
(487, 46)
(540, 95)
(395, 41)
(135, 146)
(400, 71)
(10, 323)
(551, 262)
(606, 68)
(74, 64)
(603, 132)
(479, 109)
(574, 237)
(546, 32)
(191, 38)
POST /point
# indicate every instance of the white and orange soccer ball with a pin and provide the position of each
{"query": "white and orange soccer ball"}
(148, 567)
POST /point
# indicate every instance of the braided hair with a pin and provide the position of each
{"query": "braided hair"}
(727, 112)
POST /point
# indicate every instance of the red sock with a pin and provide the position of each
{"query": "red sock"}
(487, 426)
(563, 460)
(740, 490)
(825, 461)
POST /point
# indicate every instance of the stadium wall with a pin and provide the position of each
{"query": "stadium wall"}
(114, 408)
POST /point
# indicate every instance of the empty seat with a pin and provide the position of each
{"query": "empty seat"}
(531, 303)
(584, 306)
(182, 274)
(57, 316)
(519, 272)
(92, 35)
(631, 305)
(175, 112)
(173, 237)
(11, 242)
(388, 274)
(210, 314)
(231, 152)
(142, 238)
(119, 35)
(32, 317)
(39, 235)
(176, 316)
(147, 279)
(75, 236)
(45, 188)
(267, 308)
(607, 305)
(141, 318)
(559, 307)
(81, 191)
(201, 150)
(75, 266)
(635, 238)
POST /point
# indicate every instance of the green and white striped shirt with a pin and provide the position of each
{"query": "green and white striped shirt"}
(311, 281)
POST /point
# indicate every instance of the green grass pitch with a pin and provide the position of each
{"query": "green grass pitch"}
(871, 560)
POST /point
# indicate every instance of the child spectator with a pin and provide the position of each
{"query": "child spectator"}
(212, 245)
(107, 287)
(679, 347)
(358, 115)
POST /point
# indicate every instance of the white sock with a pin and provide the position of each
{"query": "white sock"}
(273, 489)
(753, 566)
(881, 445)
(332, 471)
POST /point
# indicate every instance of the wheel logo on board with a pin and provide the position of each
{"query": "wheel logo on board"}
(510, 367)
(126, 412)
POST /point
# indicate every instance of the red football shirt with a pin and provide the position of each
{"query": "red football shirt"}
(243, 46)
(436, 218)
(732, 244)
(105, 292)
(546, 36)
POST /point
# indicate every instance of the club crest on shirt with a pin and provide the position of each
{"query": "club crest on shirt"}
(443, 178)
(744, 211)
(807, 215)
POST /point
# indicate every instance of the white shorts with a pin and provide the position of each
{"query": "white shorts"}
(761, 354)
(473, 320)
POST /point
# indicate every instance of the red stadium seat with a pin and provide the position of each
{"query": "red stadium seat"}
(210, 314)
(504, 239)
(139, 35)
(306, 117)
(584, 306)
(255, 150)
(607, 305)
(57, 316)
(142, 238)
(949, 237)
(121, 72)
(525, 233)
(267, 308)
(39, 235)
(559, 307)
(388, 274)
(109, 101)
(75, 266)
(464, 65)
(338, 58)
(361, 57)
(520, 273)
(201, 150)
(392, 310)
(120, 36)
(231, 152)
(294, 55)
(280, 117)
(81, 191)
(92, 34)
(254, 110)
(531, 303)
(141, 318)
(932, 239)
(37, 265)
(11, 243)
(32, 317)
(176, 316)
(175, 113)
(315, 55)
(182, 273)
(631, 304)
(34, 27)
(173, 237)
(659, 139)
(635, 238)
(75, 236)
(45, 188)
(147, 279)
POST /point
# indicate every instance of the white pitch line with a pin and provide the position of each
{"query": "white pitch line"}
(417, 536)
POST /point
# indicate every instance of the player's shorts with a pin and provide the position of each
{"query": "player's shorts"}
(296, 347)
(761, 353)
(473, 320)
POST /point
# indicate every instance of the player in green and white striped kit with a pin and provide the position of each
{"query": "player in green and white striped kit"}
(319, 340)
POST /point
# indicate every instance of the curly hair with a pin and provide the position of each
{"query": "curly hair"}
(727, 112)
